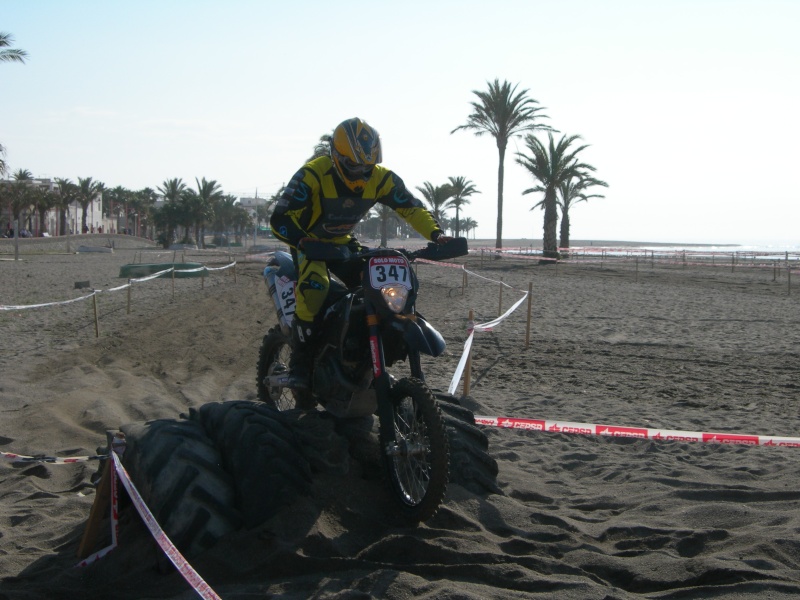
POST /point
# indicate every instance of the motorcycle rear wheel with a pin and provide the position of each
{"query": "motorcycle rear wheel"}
(273, 359)
(418, 463)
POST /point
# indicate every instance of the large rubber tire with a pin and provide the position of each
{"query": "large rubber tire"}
(178, 472)
(273, 359)
(418, 467)
(260, 450)
(471, 466)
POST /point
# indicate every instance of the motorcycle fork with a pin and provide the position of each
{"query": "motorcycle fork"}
(382, 382)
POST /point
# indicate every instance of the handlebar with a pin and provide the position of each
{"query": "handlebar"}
(327, 252)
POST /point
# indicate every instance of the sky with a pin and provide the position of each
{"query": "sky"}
(690, 108)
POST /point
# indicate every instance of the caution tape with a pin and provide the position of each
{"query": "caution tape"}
(637, 432)
(115, 289)
(191, 576)
(56, 460)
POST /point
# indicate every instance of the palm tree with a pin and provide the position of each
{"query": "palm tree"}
(3, 164)
(551, 166)
(470, 224)
(503, 113)
(200, 206)
(87, 190)
(68, 193)
(172, 190)
(571, 192)
(115, 204)
(437, 197)
(21, 196)
(385, 214)
(11, 54)
(225, 213)
(44, 200)
(463, 188)
(322, 147)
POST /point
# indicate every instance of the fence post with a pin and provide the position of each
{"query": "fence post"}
(96, 319)
(500, 305)
(468, 367)
(788, 275)
(528, 323)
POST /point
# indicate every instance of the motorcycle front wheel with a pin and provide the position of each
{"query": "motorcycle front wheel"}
(418, 461)
(273, 359)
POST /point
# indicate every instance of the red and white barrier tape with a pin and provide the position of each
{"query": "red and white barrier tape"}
(191, 576)
(637, 432)
(114, 524)
(472, 328)
(57, 460)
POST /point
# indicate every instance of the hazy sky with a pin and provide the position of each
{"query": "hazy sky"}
(691, 108)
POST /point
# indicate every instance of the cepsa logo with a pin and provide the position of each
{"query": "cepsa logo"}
(730, 438)
(632, 432)
(786, 442)
(570, 429)
(529, 424)
(678, 437)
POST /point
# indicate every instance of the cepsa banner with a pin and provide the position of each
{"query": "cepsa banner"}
(636, 432)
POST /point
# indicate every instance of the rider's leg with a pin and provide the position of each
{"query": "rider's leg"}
(312, 288)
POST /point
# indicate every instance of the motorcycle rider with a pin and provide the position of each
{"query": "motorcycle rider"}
(325, 200)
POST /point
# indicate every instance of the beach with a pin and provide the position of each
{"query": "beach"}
(578, 516)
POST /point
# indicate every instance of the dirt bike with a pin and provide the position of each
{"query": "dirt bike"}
(364, 329)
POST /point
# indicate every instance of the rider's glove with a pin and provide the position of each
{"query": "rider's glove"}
(438, 237)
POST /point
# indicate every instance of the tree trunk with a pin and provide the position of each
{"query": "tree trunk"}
(549, 243)
(564, 243)
(457, 228)
(501, 147)
(84, 207)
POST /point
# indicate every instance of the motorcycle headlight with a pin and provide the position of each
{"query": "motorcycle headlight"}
(395, 297)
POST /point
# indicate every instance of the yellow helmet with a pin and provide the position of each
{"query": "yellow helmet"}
(355, 150)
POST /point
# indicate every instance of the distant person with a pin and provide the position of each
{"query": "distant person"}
(325, 200)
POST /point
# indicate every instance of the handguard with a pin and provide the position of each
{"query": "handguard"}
(421, 336)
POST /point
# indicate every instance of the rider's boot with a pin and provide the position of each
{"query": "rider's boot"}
(300, 361)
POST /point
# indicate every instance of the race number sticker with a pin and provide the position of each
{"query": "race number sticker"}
(285, 290)
(385, 270)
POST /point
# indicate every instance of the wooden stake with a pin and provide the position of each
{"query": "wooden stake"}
(528, 323)
(468, 367)
(500, 306)
(96, 320)
(788, 275)
(102, 498)
(130, 285)
(173, 281)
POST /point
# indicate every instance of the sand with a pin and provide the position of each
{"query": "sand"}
(696, 349)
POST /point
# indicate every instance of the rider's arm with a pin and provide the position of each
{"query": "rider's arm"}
(394, 194)
(290, 212)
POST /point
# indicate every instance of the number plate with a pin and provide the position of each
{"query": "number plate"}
(285, 289)
(385, 270)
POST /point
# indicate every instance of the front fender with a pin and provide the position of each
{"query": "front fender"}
(419, 335)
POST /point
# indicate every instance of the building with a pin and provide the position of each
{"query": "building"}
(50, 225)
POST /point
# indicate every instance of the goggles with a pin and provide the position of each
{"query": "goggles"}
(354, 170)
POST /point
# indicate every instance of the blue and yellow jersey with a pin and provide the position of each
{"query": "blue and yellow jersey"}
(316, 203)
